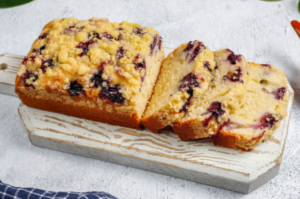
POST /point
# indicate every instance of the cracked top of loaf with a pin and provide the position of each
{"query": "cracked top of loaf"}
(90, 57)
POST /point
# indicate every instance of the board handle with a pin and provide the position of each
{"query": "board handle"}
(9, 68)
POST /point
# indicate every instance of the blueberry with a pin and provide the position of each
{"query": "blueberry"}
(216, 111)
(106, 35)
(28, 75)
(188, 83)
(45, 64)
(85, 47)
(97, 78)
(267, 121)
(112, 93)
(39, 50)
(138, 31)
(279, 93)
(94, 34)
(43, 36)
(233, 58)
(235, 76)
(120, 53)
(193, 49)
(207, 66)
(75, 88)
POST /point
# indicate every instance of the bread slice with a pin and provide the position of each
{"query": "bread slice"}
(261, 110)
(210, 110)
(92, 69)
(184, 75)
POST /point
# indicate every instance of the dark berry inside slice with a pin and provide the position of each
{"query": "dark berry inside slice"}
(25, 60)
(185, 106)
(233, 58)
(75, 88)
(193, 49)
(267, 121)
(188, 83)
(235, 76)
(153, 44)
(279, 93)
(216, 111)
(28, 75)
(189, 46)
(43, 36)
(45, 64)
(159, 43)
(196, 51)
(97, 78)
(207, 66)
(139, 65)
(39, 50)
(112, 93)
(31, 58)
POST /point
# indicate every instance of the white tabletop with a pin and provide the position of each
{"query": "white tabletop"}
(259, 30)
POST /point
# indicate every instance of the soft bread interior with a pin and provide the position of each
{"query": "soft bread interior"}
(152, 69)
(174, 68)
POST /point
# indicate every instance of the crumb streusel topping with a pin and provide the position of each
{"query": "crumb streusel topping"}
(94, 58)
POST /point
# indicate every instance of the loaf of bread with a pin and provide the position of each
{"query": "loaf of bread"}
(110, 72)
(222, 97)
(92, 69)
(184, 75)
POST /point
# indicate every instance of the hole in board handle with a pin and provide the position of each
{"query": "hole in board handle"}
(3, 66)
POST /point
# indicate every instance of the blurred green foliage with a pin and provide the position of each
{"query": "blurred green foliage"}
(12, 3)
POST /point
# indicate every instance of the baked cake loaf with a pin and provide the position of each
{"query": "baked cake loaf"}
(184, 75)
(92, 69)
(263, 107)
(210, 110)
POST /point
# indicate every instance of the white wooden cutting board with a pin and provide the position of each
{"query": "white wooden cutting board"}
(198, 161)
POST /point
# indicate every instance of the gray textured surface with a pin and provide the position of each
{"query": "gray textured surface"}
(259, 30)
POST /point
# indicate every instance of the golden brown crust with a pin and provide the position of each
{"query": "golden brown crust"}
(48, 25)
(114, 118)
(234, 141)
(225, 140)
(191, 129)
(153, 123)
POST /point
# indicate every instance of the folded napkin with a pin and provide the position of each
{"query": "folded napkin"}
(8, 192)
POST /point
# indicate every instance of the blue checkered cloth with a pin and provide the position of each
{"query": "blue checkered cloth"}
(8, 192)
